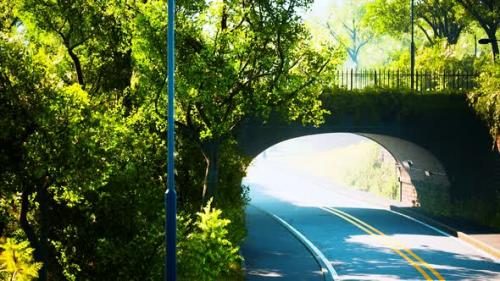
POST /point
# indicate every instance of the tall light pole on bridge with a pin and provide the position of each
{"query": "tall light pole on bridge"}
(412, 47)
(170, 194)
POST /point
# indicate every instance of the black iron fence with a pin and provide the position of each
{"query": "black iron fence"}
(424, 80)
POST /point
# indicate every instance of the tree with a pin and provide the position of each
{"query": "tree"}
(388, 17)
(485, 12)
(51, 149)
(346, 28)
(25, 121)
(236, 59)
(445, 18)
(94, 35)
(82, 127)
(69, 139)
(437, 19)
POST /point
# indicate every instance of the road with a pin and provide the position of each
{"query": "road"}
(357, 233)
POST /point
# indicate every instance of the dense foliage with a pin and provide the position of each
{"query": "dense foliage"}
(82, 127)
(82, 122)
(486, 100)
(206, 253)
(16, 261)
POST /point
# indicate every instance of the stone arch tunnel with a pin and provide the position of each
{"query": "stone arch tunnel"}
(436, 139)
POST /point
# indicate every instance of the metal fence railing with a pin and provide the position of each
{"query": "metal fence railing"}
(424, 80)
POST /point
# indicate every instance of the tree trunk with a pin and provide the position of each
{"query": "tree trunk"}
(78, 67)
(211, 153)
(491, 33)
(39, 244)
(43, 201)
(497, 140)
(23, 220)
(494, 45)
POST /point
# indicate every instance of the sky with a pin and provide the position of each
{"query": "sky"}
(320, 9)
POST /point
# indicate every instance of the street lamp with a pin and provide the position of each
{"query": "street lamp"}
(484, 41)
(412, 47)
(407, 164)
(170, 195)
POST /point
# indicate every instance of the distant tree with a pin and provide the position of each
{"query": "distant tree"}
(346, 28)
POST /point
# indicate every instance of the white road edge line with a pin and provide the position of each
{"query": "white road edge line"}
(494, 259)
(320, 257)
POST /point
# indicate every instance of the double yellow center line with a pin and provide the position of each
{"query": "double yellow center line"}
(405, 253)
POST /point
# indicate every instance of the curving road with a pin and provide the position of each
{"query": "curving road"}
(356, 232)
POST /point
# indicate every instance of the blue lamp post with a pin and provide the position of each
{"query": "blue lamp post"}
(412, 47)
(170, 194)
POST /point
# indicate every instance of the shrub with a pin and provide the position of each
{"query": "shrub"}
(486, 99)
(16, 261)
(205, 253)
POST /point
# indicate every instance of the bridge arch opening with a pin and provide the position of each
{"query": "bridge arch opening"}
(401, 171)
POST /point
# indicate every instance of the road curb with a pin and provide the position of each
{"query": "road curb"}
(327, 269)
(450, 231)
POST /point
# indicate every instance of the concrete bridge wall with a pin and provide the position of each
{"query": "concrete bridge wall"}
(449, 146)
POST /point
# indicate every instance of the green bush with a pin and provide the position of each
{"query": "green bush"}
(231, 197)
(16, 261)
(438, 57)
(486, 99)
(204, 250)
(435, 199)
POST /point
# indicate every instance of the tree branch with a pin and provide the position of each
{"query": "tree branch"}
(426, 34)
(74, 57)
(202, 114)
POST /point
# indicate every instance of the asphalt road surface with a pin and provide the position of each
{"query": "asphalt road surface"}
(357, 234)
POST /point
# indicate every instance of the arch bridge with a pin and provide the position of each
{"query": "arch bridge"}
(441, 147)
